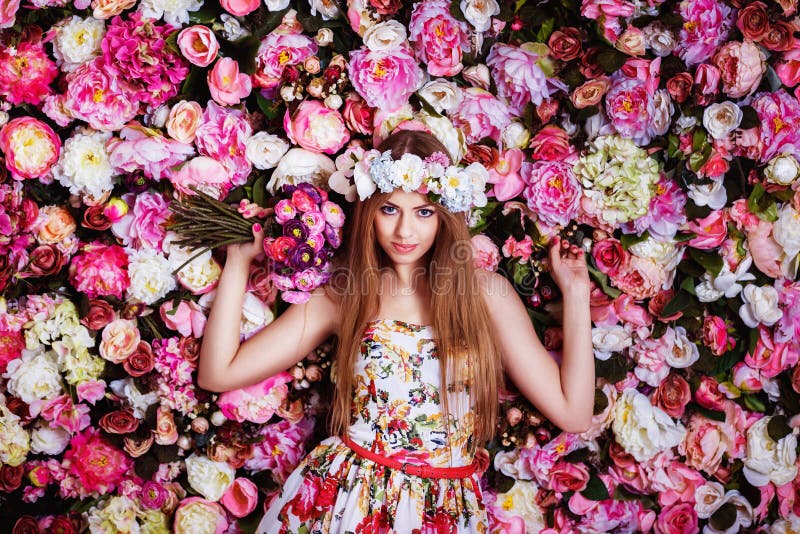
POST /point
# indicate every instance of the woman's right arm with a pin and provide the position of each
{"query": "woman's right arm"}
(225, 364)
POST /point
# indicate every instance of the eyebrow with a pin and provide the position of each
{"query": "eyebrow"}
(427, 204)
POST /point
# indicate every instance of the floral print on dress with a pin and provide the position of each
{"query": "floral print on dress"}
(397, 412)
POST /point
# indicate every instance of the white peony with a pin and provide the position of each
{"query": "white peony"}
(711, 194)
(642, 429)
(265, 150)
(450, 136)
(515, 135)
(299, 165)
(150, 274)
(14, 440)
(84, 167)
(34, 376)
(117, 514)
(174, 12)
(684, 353)
(783, 169)
(720, 119)
(388, 35)
(479, 13)
(607, 339)
(77, 41)
(708, 498)
(209, 478)
(276, 5)
(767, 460)
(786, 230)
(200, 274)
(520, 501)
(443, 95)
(760, 306)
(49, 440)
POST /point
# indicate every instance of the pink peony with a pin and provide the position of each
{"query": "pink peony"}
(204, 173)
(741, 65)
(140, 148)
(779, 115)
(198, 44)
(100, 270)
(384, 78)
(256, 403)
(519, 76)
(197, 514)
(316, 127)
(8, 11)
(283, 436)
(188, 318)
(439, 39)
(485, 252)
(481, 115)
(665, 214)
(240, 8)
(98, 466)
(31, 147)
(222, 136)
(26, 73)
(706, 26)
(278, 51)
(630, 107)
(227, 85)
(505, 175)
(104, 100)
(241, 497)
(552, 191)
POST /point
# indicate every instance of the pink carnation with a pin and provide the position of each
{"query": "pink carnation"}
(100, 270)
(31, 147)
(519, 77)
(98, 466)
(481, 115)
(706, 26)
(552, 191)
(256, 403)
(779, 116)
(222, 136)
(439, 39)
(384, 78)
(104, 100)
(277, 51)
(139, 148)
(62, 412)
(316, 127)
(26, 73)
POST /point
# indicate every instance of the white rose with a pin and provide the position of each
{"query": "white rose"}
(255, 315)
(200, 274)
(767, 460)
(786, 230)
(34, 376)
(324, 36)
(642, 429)
(14, 440)
(209, 478)
(443, 95)
(710, 194)
(77, 41)
(478, 75)
(684, 353)
(479, 13)
(708, 498)
(515, 135)
(299, 165)
(276, 5)
(49, 440)
(783, 169)
(150, 275)
(383, 36)
(659, 39)
(662, 112)
(760, 306)
(608, 339)
(744, 514)
(520, 500)
(508, 463)
(265, 150)
(720, 119)
(328, 10)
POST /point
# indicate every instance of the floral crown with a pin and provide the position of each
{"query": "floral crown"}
(456, 188)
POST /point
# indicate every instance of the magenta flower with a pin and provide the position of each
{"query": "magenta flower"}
(31, 147)
(277, 51)
(779, 115)
(630, 108)
(552, 191)
(26, 73)
(384, 78)
(222, 137)
(666, 213)
(439, 39)
(706, 27)
(97, 466)
(100, 270)
(104, 100)
(518, 75)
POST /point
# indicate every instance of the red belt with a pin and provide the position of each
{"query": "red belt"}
(423, 471)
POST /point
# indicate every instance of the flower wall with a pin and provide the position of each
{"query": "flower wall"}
(661, 135)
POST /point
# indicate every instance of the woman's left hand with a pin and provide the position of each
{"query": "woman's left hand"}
(568, 266)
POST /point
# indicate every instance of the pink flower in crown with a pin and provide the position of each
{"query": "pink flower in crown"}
(105, 101)
(8, 11)
(316, 127)
(26, 73)
(666, 212)
(630, 108)
(227, 85)
(552, 191)
(277, 51)
(439, 39)
(481, 115)
(222, 136)
(100, 270)
(518, 73)
(256, 403)
(145, 149)
(31, 147)
(384, 78)
(779, 115)
(706, 27)
(98, 466)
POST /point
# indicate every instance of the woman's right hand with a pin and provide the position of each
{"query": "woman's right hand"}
(247, 252)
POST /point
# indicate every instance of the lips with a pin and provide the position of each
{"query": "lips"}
(403, 249)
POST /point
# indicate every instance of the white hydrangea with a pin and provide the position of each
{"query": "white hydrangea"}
(768, 460)
(34, 376)
(14, 440)
(150, 274)
(84, 167)
(174, 12)
(77, 41)
(117, 514)
(642, 429)
(81, 366)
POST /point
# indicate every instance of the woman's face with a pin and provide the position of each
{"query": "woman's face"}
(406, 226)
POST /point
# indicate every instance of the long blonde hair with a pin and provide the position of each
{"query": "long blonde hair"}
(463, 337)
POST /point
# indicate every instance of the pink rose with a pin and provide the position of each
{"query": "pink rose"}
(198, 44)
(486, 254)
(91, 391)
(678, 519)
(357, 114)
(711, 231)
(518, 249)
(746, 378)
(788, 67)
(505, 176)
(184, 119)
(566, 476)
(742, 65)
(672, 395)
(316, 127)
(715, 335)
(195, 513)
(551, 143)
(552, 191)
(439, 39)
(204, 173)
(708, 394)
(8, 11)
(241, 497)
(384, 78)
(120, 338)
(240, 8)
(706, 83)
(31, 147)
(705, 443)
(227, 85)
(256, 403)
(609, 256)
(188, 319)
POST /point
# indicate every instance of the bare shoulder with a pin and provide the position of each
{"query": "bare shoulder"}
(493, 286)
(328, 303)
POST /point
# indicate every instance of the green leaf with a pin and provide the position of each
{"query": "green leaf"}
(762, 204)
(688, 286)
(714, 415)
(206, 15)
(724, 517)
(628, 240)
(602, 279)
(711, 262)
(613, 369)
(778, 428)
(676, 304)
(611, 60)
(577, 456)
(260, 191)
(270, 108)
(595, 490)
(699, 139)
(544, 32)
(753, 403)
(749, 118)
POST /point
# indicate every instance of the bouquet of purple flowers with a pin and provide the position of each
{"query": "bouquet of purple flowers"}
(312, 228)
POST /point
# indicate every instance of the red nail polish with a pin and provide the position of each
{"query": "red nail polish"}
(256, 227)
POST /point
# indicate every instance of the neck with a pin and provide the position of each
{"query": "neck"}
(409, 279)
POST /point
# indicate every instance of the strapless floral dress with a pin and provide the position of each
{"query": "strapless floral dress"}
(397, 413)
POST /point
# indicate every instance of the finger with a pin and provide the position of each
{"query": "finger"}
(257, 228)
(555, 252)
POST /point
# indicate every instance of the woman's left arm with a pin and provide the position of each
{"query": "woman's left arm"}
(565, 394)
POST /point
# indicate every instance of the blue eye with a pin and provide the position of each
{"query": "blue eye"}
(425, 212)
(388, 209)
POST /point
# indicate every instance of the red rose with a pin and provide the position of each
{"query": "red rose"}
(657, 303)
(565, 44)
(672, 395)
(566, 476)
(590, 68)
(327, 493)
(609, 256)
(386, 7)
(780, 37)
(99, 315)
(18, 408)
(190, 348)
(141, 361)
(61, 525)
(753, 21)
(358, 116)
(11, 477)
(94, 218)
(485, 155)
(45, 260)
(26, 525)
(679, 87)
(119, 422)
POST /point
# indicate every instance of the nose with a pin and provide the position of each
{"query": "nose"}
(405, 226)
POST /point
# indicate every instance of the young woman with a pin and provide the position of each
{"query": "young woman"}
(423, 341)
